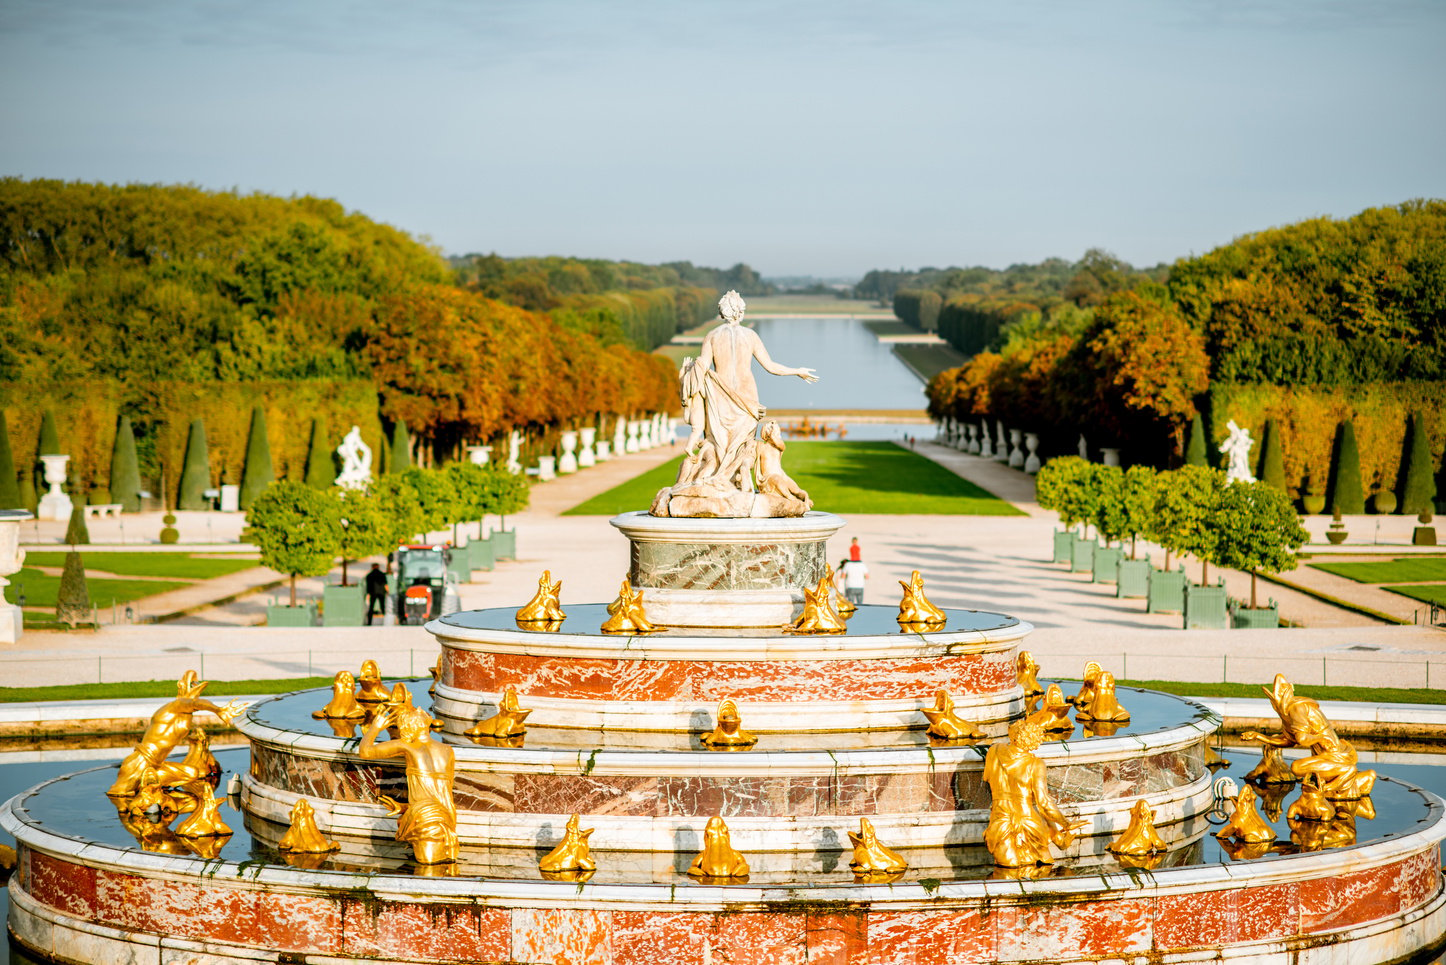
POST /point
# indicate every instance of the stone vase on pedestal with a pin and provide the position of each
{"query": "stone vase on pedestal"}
(1031, 461)
(620, 436)
(1001, 443)
(568, 463)
(585, 457)
(546, 468)
(632, 443)
(986, 448)
(479, 455)
(604, 451)
(1110, 457)
(54, 504)
(971, 439)
(1016, 454)
(11, 556)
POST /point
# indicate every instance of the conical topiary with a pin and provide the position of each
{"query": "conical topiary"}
(1347, 497)
(77, 533)
(320, 470)
(256, 475)
(72, 604)
(195, 470)
(401, 455)
(1195, 443)
(28, 499)
(49, 444)
(9, 491)
(1272, 458)
(125, 470)
(1417, 488)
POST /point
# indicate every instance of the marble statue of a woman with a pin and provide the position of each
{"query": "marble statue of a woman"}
(356, 460)
(1237, 453)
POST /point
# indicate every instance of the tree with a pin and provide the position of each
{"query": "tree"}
(195, 469)
(1195, 443)
(1417, 488)
(320, 469)
(49, 441)
(256, 474)
(296, 528)
(125, 471)
(28, 499)
(366, 527)
(72, 600)
(1067, 485)
(1346, 494)
(1186, 506)
(1138, 499)
(1110, 516)
(1271, 469)
(400, 457)
(1255, 529)
(400, 507)
(76, 532)
(9, 491)
(436, 497)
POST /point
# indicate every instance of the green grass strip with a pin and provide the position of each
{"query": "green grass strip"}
(156, 688)
(889, 326)
(183, 566)
(841, 477)
(1411, 569)
(1429, 593)
(1368, 695)
(41, 590)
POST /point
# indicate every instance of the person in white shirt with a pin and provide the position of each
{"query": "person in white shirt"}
(853, 573)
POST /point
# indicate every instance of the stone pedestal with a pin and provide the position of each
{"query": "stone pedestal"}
(585, 457)
(620, 436)
(1001, 444)
(54, 504)
(986, 448)
(632, 443)
(546, 468)
(604, 451)
(568, 463)
(1031, 461)
(1110, 457)
(1016, 454)
(703, 572)
(11, 557)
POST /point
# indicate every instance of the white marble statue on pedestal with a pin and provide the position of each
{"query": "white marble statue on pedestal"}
(568, 462)
(546, 468)
(54, 504)
(632, 435)
(356, 461)
(1083, 447)
(585, 457)
(1016, 454)
(1031, 461)
(986, 448)
(514, 453)
(620, 436)
(11, 558)
(604, 450)
(1236, 450)
(729, 468)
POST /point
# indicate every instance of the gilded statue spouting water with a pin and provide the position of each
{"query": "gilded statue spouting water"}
(728, 732)
(1140, 837)
(626, 613)
(372, 690)
(1084, 700)
(1246, 825)
(915, 610)
(436, 672)
(343, 704)
(206, 821)
(428, 820)
(718, 859)
(507, 722)
(1023, 818)
(872, 858)
(544, 606)
(1332, 760)
(572, 852)
(947, 725)
(168, 727)
(1312, 805)
(1102, 705)
(1053, 714)
(304, 836)
(818, 614)
(1027, 669)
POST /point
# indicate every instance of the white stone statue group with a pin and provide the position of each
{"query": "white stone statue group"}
(733, 462)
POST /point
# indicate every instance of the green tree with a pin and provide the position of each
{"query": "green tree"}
(1138, 498)
(1186, 505)
(125, 470)
(49, 442)
(1417, 488)
(1346, 494)
(296, 528)
(1271, 469)
(367, 529)
(320, 470)
(400, 457)
(256, 474)
(1110, 516)
(195, 469)
(76, 532)
(1255, 530)
(436, 497)
(1195, 453)
(72, 602)
(28, 499)
(1067, 485)
(9, 491)
(401, 508)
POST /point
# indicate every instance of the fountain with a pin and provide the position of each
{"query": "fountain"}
(724, 765)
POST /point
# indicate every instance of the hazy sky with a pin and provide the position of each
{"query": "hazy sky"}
(802, 137)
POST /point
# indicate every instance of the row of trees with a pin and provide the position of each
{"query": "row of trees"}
(1188, 511)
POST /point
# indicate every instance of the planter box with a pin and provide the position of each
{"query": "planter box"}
(1132, 578)
(303, 615)
(1082, 554)
(480, 555)
(342, 606)
(1206, 607)
(1107, 563)
(1423, 536)
(459, 565)
(504, 544)
(1243, 617)
(1165, 592)
(1063, 543)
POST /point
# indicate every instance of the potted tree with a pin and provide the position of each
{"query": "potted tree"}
(1137, 499)
(365, 531)
(1050, 485)
(1110, 521)
(509, 495)
(1258, 531)
(1183, 506)
(298, 531)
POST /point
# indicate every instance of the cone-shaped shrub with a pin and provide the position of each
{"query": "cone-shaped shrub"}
(1272, 459)
(125, 471)
(28, 499)
(49, 437)
(1346, 494)
(195, 470)
(1417, 488)
(401, 456)
(1195, 443)
(320, 470)
(72, 602)
(9, 491)
(77, 533)
(256, 475)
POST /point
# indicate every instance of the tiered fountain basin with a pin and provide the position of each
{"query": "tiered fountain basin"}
(85, 892)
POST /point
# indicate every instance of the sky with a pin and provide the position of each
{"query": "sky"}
(822, 138)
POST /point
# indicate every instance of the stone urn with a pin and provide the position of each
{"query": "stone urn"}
(1001, 443)
(604, 451)
(585, 456)
(620, 436)
(568, 463)
(54, 504)
(1031, 445)
(546, 468)
(1016, 454)
(986, 449)
(1337, 531)
(971, 439)
(479, 455)
(1110, 457)
(11, 557)
(632, 443)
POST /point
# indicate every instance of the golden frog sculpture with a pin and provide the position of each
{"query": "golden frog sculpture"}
(818, 614)
(544, 606)
(626, 614)
(1331, 760)
(304, 837)
(1023, 818)
(1027, 670)
(1272, 769)
(872, 858)
(428, 821)
(507, 722)
(1312, 805)
(1053, 714)
(168, 727)
(1139, 837)
(572, 852)
(343, 704)
(945, 724)
(718, 859)
(1085, 699)
(1103, 706)
(728, 731)
(1246, 826)
(915, 610)
(372, 691)
(206, 821)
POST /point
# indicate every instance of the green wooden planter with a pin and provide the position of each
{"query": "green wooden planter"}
(1206, 607)
(1243, 617)
(1107, 563)
(1082, 555)
(302, 615)
(1132, 579)
(1063, 544)
(504, 544)
(459, 567)
(480, 555)
(1166, 591)
(343, 606)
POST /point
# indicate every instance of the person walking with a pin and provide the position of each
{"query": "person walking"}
(856, 552)
(854, 572)
(376, 592)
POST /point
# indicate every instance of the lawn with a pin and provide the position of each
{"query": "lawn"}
(889, 326)
(41, 590)
(1401, 570)
(841, 477)
(928, 360)
(1426, 593)
(182, 566)
(1369, 695)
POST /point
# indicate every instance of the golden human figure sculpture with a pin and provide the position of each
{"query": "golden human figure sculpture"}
(871, 857)
(507, 722)
(206, 821)
(1103, 705)
(304, 836)
(1272, 769)
(1312, 805)
(343, 704)
(572, 852)
(168, 727)
(915, 608)
(1140, 837)
(945, 724)
(544, 606)
(1085, 698)
(1027, 668)
(818, 614)
(718, 859)
(1302, 724)
(372, 691)
(1053, 714)
(1023, 819)
(626, 614)
(1246, 825)
(428, 821)
(728, 731)
(199, 764)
